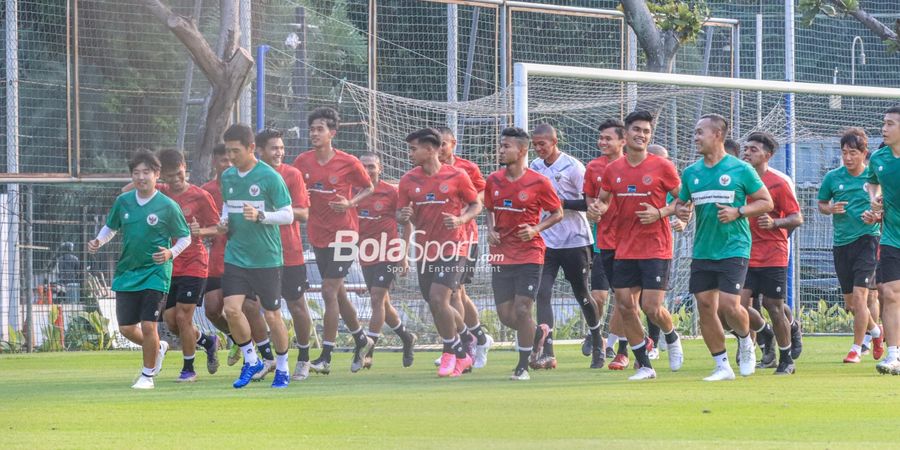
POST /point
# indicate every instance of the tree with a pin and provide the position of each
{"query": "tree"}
(227, 73)
(840, 8)
(663, 26)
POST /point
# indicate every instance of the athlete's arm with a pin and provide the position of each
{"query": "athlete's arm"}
(472, 210)
(493, 235)
(406, 235)
(875, 199)
(761, 203)
(828, 208)
(281, 216)
(790, 222)
(106, 234)
(301, 214)
(528, 232)
(601, 205)
(361, 195)
(576, 205)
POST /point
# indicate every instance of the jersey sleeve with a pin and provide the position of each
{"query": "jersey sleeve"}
(873, 174)
(784, 199)
(685, 193)
(548, 199)
(478, 180)
(298, 192)
(357, 174)
(402, 194)
(177, 225)
(590, 182)
(209, 212)
(278, 195)
(825, 193)
(670, 180)
(605, 184)
(114, 219)
(752, 182)
(489, 194)
(467, 192)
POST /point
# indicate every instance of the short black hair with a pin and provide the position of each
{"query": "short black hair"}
(170, 159)
(542, 129)
(615, 124)
(445, 130)
(146, 157)
(635, 116)
(239, 132)
(370, 155)
(732, 147)
(855, 137)
(893, 110)
(516, 133)
(262, 138)
(719, 121)
(425, 136)
(766, 139)
(329, 115)
(219, 150)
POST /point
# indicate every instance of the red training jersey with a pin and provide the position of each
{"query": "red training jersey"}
(377, 215)
(325, 182)
(629, 186)
(770, 247)
(217, 251)
(449, 191)
(291, 244)
(593, 175)
(471, 169)
(196, 204)
(512, 203)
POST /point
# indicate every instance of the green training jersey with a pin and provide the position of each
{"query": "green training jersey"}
(253, 245)
(728, 183)
(145, 228)
(840, 186)
(884, 169)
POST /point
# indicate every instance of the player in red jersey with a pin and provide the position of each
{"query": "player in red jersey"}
(638, 184)
(516, 197)
(331, 176)
(382, 256)
(440, 200)
(479, 347)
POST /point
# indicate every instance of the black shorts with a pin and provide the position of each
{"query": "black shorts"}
(727, 275)
(328, 267)
(380, 275)
(293, 282)
(213, 284)
(888, 264)
(187, 290)
(470, 262)
(264, 283)
(512, 280)
(854, 263)
(138, 306)
(644, 273)
(446, 273)
(771, 282)
(602, 267)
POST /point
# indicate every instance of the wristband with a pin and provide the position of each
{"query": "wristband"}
(740, 211)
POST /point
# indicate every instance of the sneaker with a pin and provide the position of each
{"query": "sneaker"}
(301, 371)
(644, 373)
(851, 358)
(610, 353)
(187, 376)
(651, 344)
(721, 374)
(462, 366)
(796, 339)
(587, 345)
(247, 372)
(520, 374)
(281, 379)
(212, 355)
(234, 355)
(481, 351)
(471, 346)
(546, 362)
(878, 345)
(448, 364)
(619, 363)
(437, 362)
(320, 366)
(597, 359)
(367, 362)
(768, 356)
(160, 356)
(888, 366)
(747, 362)
(359, 354)
(543, 331)
(864, 350)
(143, 383)
(785, 368)
(408, 347)
(268, 367)
(653, 354)
(676, 356)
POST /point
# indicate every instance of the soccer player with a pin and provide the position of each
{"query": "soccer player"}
(461, 300)
(331, 176)
(767, 272)
(516, 197)
(732, 148)
(884, 180)
(257, 202)
(148, 221)
(440, 200)
(378, 222)
(638, 184)
(569, 244)
(843, 196)
(611, 143)
(190, 270)
(718, 186)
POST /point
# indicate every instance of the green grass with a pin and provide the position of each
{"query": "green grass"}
(66, 400)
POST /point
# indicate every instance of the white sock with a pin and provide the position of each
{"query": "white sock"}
(722, 361)
(249, 353)
(875, 332)
(746, 341)
(611, 341)
(856, 348)
(867, 340)
(893, 352)
(281, 362)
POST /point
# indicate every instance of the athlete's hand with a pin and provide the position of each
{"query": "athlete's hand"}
(594, 213)
(222, 226)
(162, 255)
(677, 224)
(878, 204)
(93, 245)
(341, 204)
(250, 213)
(405, 213)
(649, 215)
(452, 222)
(766, 222)
(870, 217)
(839, 208)
(684, 211)
(493, 237)
(195, 227)
(526, 232)
(727, 213)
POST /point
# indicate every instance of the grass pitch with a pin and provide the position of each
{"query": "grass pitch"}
(84, 400)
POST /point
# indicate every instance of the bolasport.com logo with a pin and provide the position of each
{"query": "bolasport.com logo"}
(348, 247)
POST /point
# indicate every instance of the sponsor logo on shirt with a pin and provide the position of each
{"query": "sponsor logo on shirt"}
(254, 190)
(429, 197)
(631, 189)
(364, 213)
(712, 196)
(507, 203)
(725, 180)
(152, 220)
